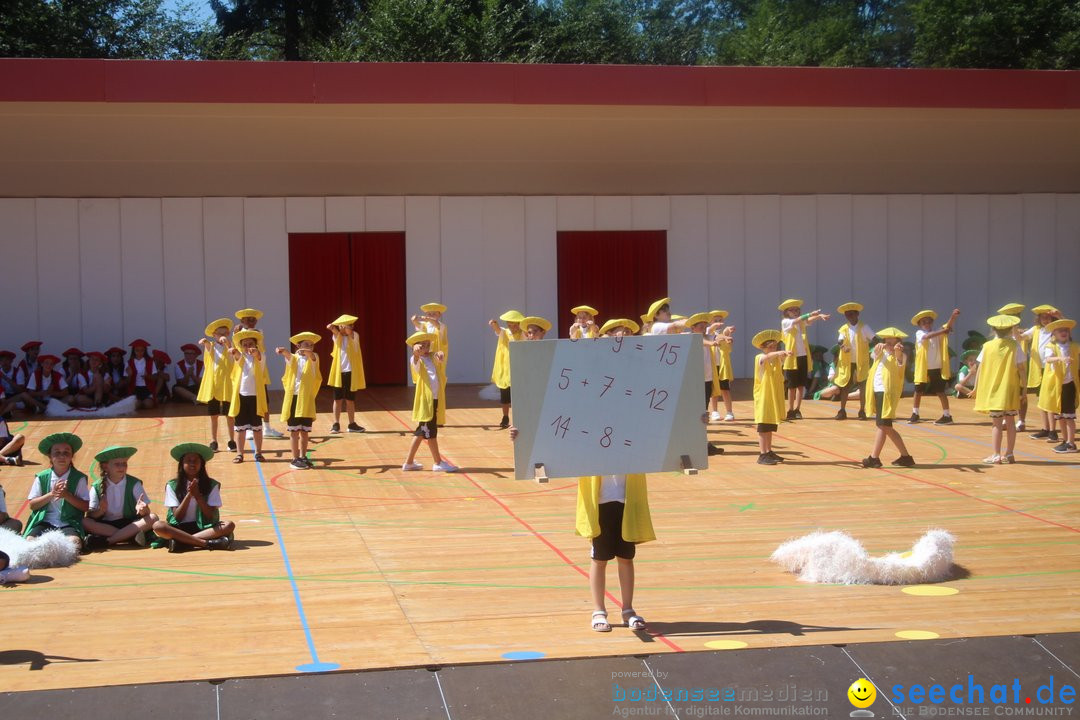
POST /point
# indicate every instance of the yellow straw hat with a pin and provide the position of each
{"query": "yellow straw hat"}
(696, 318)
(301, 337)
(722, 314)
(1011, 309)
(765, 336)
(537, 321)
(239, 337)
(1003, 322)
(1042, 309)
(920, 315)
(433, 307)
(1063, 323)
(345, 320)
(512, 316)
(655, 308)
(789, 303)
(249, 312)
(849, 306)
(891, 332)
(584, 308)
(219, 323)
(619, 322)
(419, 337)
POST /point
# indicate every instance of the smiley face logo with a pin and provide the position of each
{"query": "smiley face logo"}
(862, 693)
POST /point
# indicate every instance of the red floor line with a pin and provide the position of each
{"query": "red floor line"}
(937, 485)
(531, 530)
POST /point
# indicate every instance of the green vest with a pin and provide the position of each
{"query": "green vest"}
(70, 514)
(180, 490)
(129, 495)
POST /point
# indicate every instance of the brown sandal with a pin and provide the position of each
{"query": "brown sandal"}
(238, 459)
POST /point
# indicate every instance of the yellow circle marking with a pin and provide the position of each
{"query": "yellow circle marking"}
(929, 590)
(725, 644)
(917, 635)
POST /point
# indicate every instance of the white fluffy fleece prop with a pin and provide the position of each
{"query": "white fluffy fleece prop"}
(836, 557)
(52, 549)
(57, 409)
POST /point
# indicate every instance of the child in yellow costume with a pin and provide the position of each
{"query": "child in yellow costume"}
(432, 322)
(248, 403)
(619, 327)
(1057, 396)
(249, 318)
(768, 391)
(1038, 337)
(853, 362)
(500, 372)
(1025, 345)
(584, 323)
(999, 384)
(884, 384)
(429, 377)
(699, 323)
(346, 371)
(932, 365)
(721, 357)
(797, 366)
(301, 382)
(215, 388)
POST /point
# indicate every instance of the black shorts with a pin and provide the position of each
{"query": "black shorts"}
(934, 384)
(189, 527)
(248, 417)
(345, 392)
(295, 424)
(853, 378)
(45, 527)
(767, 427)
(725, 384)
(879, 405)
(504, 396)
(609, 543)
(142, 393)
(429, 429)
(193, 389)
(1068, 399)
(119, 524)
(708, 392)
(217, 407)
(798, 377)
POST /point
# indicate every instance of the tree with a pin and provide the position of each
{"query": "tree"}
(279, 29)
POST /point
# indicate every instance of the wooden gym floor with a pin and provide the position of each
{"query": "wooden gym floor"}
(358, 565)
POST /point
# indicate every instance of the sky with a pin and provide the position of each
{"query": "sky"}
(201, 7)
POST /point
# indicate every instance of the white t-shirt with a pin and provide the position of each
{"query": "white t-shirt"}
(1050, 351)
(79, 381)
(879, 377)
(181, 376)
(786, 326)
(140, 365)
(46, 382)
(52, 510)
(301, 363)
(343, 343)
(432, 376)
(1020, 359)
(171, 501)
(612, 489)
(247, 375)
(933, 349)
(660, 328)
(867, 333)
(114, 496)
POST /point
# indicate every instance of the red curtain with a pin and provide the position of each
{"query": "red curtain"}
(617, 272)
(361, 274)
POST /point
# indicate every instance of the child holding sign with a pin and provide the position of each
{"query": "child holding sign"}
(768, 392)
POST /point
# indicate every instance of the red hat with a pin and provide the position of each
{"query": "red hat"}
(114, 349)
(73, 351)
(161, 356)
(138, 342)
(31, 344)
(96, 354)
(43, 358)
(6, 353)
(190, 347)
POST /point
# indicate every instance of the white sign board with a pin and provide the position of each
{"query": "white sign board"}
(608, 406)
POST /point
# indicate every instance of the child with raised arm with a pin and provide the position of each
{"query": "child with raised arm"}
(500, 371)
(248, 403)
(999, 384)
(1039, 338)
(346, 371)
(193, 504)
(301, 381)
(119, 508)
(793, 326)
(660, 320)
(428, 376)
(885, 384)
(853, 362)
(1057, 395)
(249, 318)
(932, 365)
(768, 391)
(432, 322)
(215, 388)
(723, 338)
(59, 497)
(584, 323)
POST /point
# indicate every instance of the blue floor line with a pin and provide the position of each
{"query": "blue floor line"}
(315, 665)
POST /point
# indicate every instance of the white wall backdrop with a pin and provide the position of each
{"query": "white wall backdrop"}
(98, 272)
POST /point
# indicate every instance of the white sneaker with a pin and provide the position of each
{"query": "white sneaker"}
(444, 466)
(715, 416)
(1019, 426)
(729, 417)
(250, 435)
(412, 466)
(272, 433)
